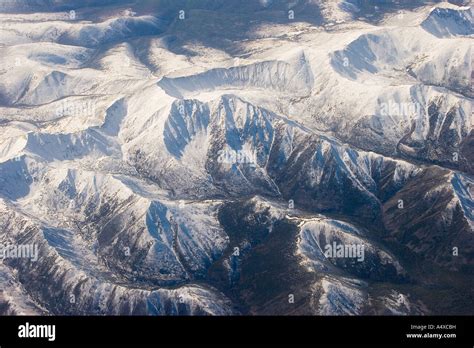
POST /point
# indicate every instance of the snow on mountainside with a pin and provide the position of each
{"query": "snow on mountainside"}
(39, 5)
(445, 22)
(160, 162)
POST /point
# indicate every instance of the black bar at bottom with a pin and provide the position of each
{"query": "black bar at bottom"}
(135, 331)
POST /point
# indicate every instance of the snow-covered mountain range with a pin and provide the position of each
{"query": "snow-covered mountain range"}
(201, 158)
